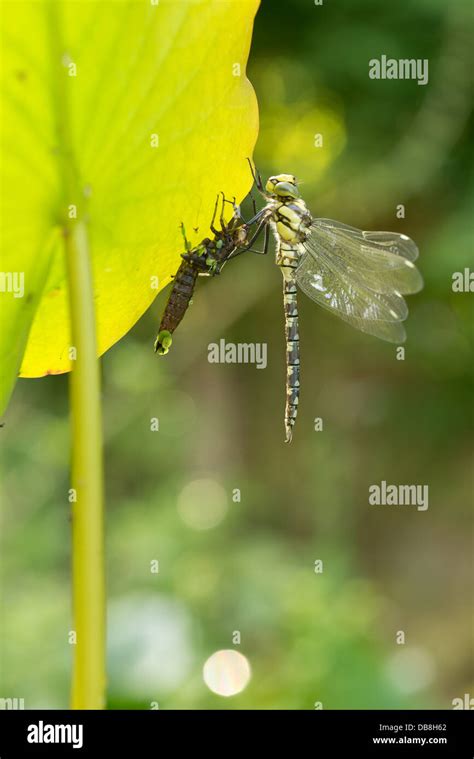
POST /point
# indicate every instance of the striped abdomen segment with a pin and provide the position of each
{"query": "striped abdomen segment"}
(180, 296)
(178, 301)
(290, 305)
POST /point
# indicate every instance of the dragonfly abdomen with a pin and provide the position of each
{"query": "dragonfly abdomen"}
(290, 220)
(290, 305)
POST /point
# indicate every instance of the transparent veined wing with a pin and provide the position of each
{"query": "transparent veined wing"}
(360, 276)
(392, 242)
(383, 259)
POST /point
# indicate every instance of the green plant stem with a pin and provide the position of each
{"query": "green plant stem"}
(88, 575)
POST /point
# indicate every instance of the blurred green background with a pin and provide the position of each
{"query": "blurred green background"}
(227, 565)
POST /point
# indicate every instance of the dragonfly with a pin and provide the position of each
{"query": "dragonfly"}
(206, 259)
(359, 276)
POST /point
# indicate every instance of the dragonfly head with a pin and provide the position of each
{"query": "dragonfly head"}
(282, 186)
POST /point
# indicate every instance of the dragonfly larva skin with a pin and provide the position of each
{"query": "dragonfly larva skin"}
(206, 259)
(179, 299)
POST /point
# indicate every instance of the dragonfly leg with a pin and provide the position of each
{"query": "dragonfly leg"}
(254, 203)
(237, 214)
(257, 178)
(212, 227)
(266, 240)
(262, 225)
(248, 246)
(260, 216)
(222, 220)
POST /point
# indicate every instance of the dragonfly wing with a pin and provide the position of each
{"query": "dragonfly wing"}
(367, 311)
(400, 245)
(384, 260)
(359, 276)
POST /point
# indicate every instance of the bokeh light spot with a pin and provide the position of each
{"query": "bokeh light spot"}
(226, 672)
(411, 669)
(202, 504)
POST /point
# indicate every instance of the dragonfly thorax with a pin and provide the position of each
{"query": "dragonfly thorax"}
(291, 220)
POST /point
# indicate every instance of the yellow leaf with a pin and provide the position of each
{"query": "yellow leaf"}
(131, 115)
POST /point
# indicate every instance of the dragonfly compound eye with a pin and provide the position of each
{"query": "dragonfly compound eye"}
(283, 186)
